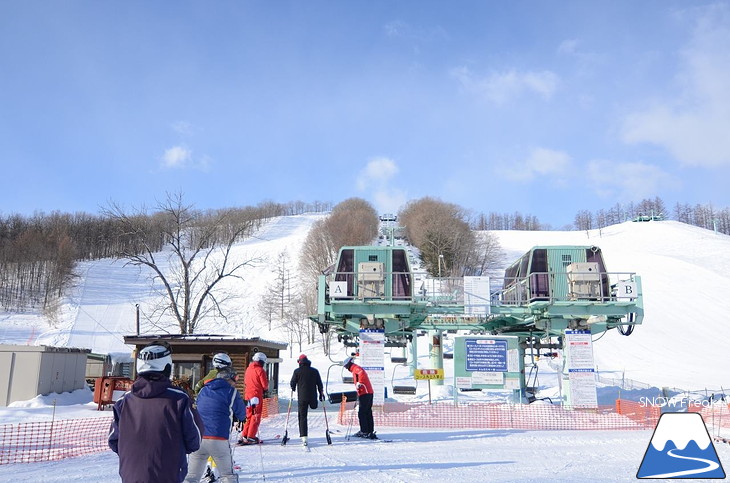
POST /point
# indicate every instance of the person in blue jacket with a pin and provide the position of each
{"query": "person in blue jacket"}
(155, 425)
(218, 402)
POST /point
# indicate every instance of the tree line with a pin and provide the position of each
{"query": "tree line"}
(703, 216)
(38, 253)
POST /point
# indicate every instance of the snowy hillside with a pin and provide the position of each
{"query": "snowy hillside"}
(101, 309)
(685, 273)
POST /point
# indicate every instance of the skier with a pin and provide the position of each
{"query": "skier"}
(307, 382)
(220, 360)
(217, 402)
(257, 382)
(155, 424)
(364, 398)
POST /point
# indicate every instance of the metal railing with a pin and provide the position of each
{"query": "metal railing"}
(547, 287)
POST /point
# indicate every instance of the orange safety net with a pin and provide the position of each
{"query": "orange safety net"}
(537, 416)
(715, 415)
(32, 442)
(52, 440)
(271, 407)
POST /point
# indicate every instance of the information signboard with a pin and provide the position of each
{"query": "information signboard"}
(581, 373)
(372, 359)
(488, 362)
(476, 295)
(428, 374)
(486, 355)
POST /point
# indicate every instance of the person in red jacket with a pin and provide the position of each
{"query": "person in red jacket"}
(364, 399)
(257, 382)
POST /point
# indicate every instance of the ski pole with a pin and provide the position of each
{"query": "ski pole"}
(285, 438)
(352, 419)
(326, 424)
(261, 455)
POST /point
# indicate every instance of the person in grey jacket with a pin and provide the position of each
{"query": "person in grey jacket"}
(155, 425)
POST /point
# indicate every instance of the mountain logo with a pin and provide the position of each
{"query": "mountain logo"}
(680, 448)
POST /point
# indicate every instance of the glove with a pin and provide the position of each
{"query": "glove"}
(321, 396)
(359, 385)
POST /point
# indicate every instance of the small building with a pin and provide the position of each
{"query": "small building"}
(192, 354)
(29, 371)
(104, 365)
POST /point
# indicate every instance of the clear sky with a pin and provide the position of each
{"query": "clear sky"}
(545, 108)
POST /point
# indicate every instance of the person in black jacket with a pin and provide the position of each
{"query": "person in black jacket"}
(307, 382)
(155, 425)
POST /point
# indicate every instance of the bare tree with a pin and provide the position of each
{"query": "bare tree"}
(197, 254)
(296, 324)
(447, 244)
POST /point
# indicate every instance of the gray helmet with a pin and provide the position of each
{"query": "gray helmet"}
(221, 360)
(156, 357)
(227, 373)
(259, 357)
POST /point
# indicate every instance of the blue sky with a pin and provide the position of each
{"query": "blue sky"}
(545, 108)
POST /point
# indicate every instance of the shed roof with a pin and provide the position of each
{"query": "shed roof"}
(207, 339)
(40, 348)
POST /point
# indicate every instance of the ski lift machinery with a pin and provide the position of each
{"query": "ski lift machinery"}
(402, 389)
(547, 291)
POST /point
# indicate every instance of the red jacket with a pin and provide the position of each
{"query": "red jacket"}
(360, 376)
(256, 382)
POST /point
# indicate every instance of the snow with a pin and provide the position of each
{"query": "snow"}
(685, 279)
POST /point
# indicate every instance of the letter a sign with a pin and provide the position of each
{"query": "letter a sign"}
(338, 290)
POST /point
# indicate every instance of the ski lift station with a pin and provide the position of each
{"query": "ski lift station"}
(553, 298)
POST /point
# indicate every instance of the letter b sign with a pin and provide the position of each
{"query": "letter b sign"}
(626, 290)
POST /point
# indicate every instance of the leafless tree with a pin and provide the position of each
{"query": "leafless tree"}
(447, 244)
(196, 258)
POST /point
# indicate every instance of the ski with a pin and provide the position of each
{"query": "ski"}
(261, 441)
(368, 439)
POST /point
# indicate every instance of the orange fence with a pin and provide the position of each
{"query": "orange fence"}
(645, 414)
(52, 440)
(271, 407)
(535, 416)
(65, 438)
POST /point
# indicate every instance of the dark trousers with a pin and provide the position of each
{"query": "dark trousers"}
(365, 413)
(302, 412)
